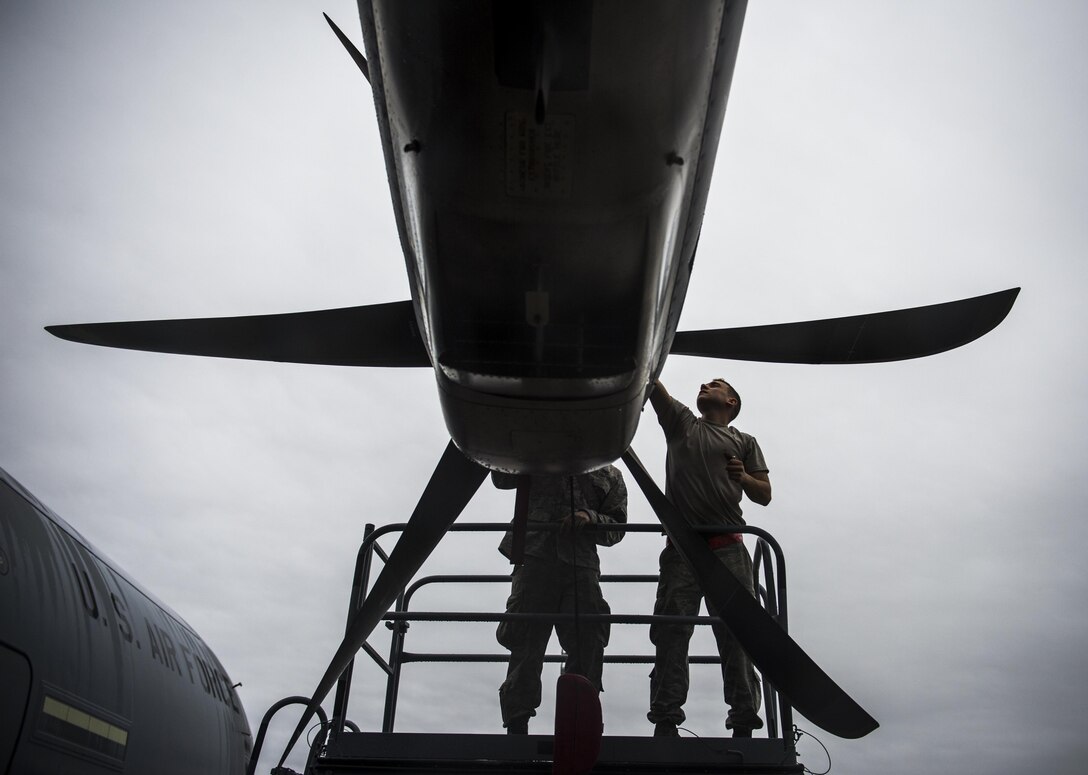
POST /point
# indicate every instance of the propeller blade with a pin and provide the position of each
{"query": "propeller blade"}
(454, 481)
(781, 661)
(876, 338)
(355, 53)
(373, 335)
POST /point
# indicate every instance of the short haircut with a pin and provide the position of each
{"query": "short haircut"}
(734, 393)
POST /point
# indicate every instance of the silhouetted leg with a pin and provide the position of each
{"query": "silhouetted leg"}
(678, 594)
(585, 656)
(533, 589)
(739, 680)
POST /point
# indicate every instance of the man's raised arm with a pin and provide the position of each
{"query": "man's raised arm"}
(659, 398)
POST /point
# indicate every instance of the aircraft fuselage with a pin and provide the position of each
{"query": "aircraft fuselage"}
(97, 675)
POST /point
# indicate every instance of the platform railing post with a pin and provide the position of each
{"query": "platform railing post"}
(396, 649)
(359, 584)
(770, 603)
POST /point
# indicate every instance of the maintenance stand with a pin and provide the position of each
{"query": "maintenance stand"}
(341, 747)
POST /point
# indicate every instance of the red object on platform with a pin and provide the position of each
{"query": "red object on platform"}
(578, 725)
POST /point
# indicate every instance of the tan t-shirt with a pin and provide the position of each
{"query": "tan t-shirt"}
(695, 475)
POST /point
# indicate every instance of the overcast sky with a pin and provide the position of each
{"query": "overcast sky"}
(210, 159)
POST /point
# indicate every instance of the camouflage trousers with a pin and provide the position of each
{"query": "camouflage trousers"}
(540, 586)
(679, 594)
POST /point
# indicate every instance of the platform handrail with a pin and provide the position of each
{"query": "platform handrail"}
(767, 557)
(258, 743)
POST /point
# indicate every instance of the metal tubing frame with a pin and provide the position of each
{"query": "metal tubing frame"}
(768, 594)
(258, 743)
(360, 582)
(773, 596)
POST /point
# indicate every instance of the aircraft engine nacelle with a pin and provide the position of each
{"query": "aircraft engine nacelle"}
(549, 170)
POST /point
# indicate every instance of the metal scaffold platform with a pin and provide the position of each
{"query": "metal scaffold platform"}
(341, 747)
(414, 752)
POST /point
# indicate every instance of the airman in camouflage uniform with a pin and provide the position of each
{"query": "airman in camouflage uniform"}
(560, 570)
(710, 465)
